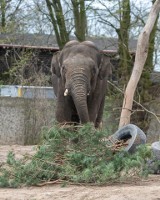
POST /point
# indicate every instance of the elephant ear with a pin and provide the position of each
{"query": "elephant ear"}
(105, 67)
(55, 66)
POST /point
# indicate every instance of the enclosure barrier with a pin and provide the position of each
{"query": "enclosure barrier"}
(24, 112)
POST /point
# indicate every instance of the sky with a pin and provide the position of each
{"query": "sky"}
(137, 2)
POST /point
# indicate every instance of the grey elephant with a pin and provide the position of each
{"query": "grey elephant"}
(80, 73)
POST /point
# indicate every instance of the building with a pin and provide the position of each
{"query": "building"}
(32, 53)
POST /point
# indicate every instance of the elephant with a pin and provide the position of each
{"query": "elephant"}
(80, 72)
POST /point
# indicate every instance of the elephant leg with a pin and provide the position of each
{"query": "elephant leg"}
(60, 109)
(63, 110)
(95, 107)
(92, 110)
(74, 116)
(55, 84)
(98, 122)
(70, 111)
(66, 111)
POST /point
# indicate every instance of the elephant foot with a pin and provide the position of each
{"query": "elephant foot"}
(99, 125)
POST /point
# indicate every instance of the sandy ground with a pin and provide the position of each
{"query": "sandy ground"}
(142, 190)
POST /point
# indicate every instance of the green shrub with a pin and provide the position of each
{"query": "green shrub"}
(78, 156)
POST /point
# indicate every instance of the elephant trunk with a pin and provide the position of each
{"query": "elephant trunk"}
(79, 95)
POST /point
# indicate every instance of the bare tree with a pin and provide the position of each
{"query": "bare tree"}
(57, 16)
(8, 11)
(58, 21)
(120, 20)
(118, 17)
(145, 81)
(123, 40)
(141, 56)
(80, 20)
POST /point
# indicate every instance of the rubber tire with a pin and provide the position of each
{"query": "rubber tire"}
(133, 134)
(155, 147)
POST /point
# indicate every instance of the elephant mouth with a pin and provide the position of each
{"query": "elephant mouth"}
(66, 92)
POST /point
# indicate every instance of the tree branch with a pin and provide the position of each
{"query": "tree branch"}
(139, 104)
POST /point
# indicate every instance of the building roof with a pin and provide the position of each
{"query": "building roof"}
(42, 41)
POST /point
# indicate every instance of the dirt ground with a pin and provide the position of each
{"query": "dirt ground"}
(142, 190)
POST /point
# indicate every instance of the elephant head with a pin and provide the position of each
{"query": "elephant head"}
(79, 66)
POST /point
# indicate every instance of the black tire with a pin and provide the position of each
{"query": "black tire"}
(155, 147)
(133, 134)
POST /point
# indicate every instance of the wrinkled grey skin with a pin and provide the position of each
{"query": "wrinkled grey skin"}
(83, 71)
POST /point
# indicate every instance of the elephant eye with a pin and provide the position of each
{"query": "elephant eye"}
(94, 70)
(63, 69)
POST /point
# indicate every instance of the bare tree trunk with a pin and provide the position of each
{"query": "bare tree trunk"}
(79, 19)
(58, 21)
(141, 56)
(123, 40)
(3, 15)
(8, 15)
(145, 81)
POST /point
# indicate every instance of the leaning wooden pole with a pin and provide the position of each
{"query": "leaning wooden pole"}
(141, 56)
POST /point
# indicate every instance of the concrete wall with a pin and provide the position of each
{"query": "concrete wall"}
(22, 120)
